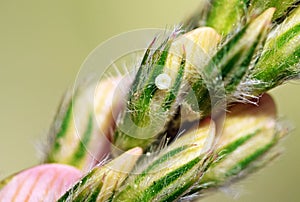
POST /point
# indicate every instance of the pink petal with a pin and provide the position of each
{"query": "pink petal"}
(45, 182)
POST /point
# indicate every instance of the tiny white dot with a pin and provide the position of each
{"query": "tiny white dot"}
(163, 81)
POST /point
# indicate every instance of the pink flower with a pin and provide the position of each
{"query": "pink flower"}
(45, 182)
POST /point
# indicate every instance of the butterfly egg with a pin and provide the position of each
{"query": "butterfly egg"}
(163, 81)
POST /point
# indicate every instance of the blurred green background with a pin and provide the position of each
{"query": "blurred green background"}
(43, 44)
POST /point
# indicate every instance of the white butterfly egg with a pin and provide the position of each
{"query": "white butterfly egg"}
(163, 81)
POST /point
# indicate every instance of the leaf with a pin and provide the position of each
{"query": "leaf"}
(257, 6)
(80, 132)
(225, 15)
(280, 58)
(167, 175)
(247, 143)
(103, 180)
(150, 109)
(223, 73)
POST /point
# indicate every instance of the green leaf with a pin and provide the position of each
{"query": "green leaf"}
(257, 6)
(151, 99)
(102, 181)
(229, 65)
(75, 136)
(158, 176)
(225, 15)
(249, 133)
(280, 58)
